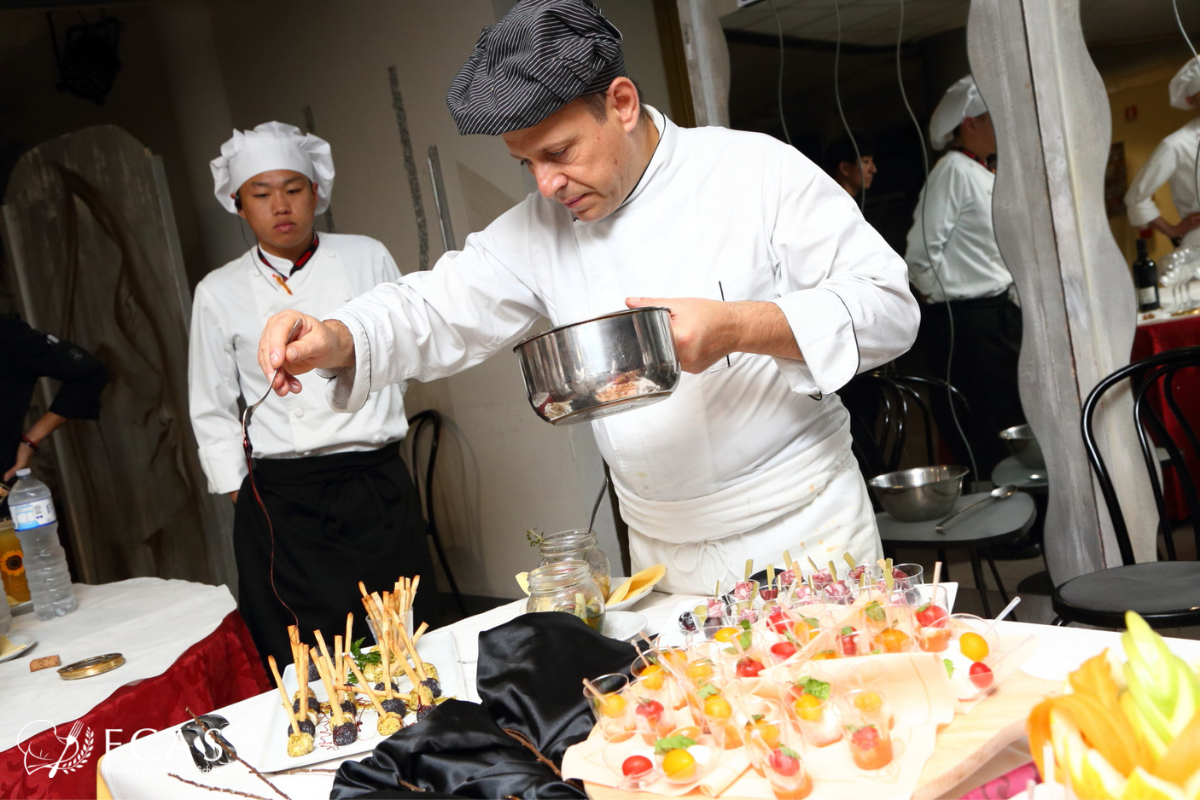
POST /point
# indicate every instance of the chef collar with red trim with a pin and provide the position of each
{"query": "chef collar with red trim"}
(975, 158)
(299, 263)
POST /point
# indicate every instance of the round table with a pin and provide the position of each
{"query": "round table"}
(995, 523)
(1011, 471)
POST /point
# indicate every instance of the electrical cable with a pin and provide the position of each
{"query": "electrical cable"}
(779, 84)
(925, 239)
(1188, 39)
(837, 96)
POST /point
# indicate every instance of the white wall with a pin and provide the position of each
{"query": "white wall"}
(501, 470)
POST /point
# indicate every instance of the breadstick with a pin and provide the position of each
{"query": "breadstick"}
(412, 676)
(412, 652)
(412, 594)
(287, 703)
(335, 709)
(387, 669)
(302, 682)
(365, 688)
(420, 632)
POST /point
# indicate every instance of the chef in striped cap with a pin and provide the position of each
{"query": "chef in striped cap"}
(338, 494)
(780, 293)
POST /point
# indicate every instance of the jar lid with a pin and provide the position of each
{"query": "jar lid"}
(96, 665)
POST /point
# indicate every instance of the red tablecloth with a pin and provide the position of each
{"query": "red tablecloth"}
(222, 668)
(1157, 338)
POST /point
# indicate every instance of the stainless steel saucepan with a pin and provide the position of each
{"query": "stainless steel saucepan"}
(590, 369)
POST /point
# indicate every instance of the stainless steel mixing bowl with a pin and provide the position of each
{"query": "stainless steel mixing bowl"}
(590, 369)
(1024, 445)
(914, 495)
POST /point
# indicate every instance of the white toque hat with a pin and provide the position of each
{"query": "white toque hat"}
(272, 145)
(961, 100)
(1185, 84)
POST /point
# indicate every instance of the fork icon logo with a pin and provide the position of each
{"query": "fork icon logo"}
(68, 752)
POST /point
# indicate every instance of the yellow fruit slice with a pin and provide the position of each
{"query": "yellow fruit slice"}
(523, 581)
(1142, 784)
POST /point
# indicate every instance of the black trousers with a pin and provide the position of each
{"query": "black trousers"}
(987, 343)
(338, 519)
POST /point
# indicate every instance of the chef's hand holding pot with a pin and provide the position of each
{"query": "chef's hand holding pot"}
(317, 345)
(706, 331)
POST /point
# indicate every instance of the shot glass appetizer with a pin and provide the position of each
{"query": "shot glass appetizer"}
(610, 705)
(866, 720)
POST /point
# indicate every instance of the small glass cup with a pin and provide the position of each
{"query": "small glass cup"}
(653, 711)
(931, 621)
(914, 575)
(611, 706)
(702, 757)
(621, 747)
(760, 725)
(811, 695)
(974, 642)
(866, 718)
(780, 759)
(837, 593)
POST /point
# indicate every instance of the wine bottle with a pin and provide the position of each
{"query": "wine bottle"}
(1145, 278)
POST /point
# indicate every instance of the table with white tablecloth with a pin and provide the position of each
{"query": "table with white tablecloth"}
(140, 769)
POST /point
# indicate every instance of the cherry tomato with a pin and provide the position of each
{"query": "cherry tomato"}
(636, 765)
(982, 675)
(929, 614)
(725, 634)
(650, 709)
(784, 764)
(783, 650)
(748, 667)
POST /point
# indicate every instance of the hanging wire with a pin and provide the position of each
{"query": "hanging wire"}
(779, 84)
(925, 237)
(837, 96)
(1188, 39)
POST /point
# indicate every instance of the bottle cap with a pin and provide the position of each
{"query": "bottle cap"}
(21, 473)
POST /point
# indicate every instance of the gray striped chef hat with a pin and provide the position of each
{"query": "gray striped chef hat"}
(541, 56)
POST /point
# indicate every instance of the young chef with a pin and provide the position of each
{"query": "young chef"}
(952, 252)
(853, 169)
(340, 499)
(781, 294)
(1173, 162)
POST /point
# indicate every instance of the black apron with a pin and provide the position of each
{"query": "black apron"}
(339, 519)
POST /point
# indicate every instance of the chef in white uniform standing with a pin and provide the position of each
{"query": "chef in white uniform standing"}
(952, 254)
(1173, 162)
(341, 503)
(780, 293)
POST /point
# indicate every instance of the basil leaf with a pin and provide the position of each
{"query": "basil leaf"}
(818, 689)
(672, 743)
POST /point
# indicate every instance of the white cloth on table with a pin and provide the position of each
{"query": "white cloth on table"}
(718, 214)
(1173, 162)
(837, 519)
(231, 307)
(150, 621)
(952, 233)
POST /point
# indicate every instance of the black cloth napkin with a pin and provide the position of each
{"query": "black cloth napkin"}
(530, 679)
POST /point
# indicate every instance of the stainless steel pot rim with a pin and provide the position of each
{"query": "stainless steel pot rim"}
(944, 472)
(623, 313)
(1017, 432)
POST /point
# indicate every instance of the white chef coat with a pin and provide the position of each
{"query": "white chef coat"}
(716, 212)
(957, 235)
(1173, 162)
(231, 306)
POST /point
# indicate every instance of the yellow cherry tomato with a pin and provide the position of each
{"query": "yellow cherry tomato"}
(679, 764)
(717, 707)
(824, 655)
(699, 671)
(652, 677)
(893, 641)
(612, 705)
(808, 707)
(767, 731)
(725, 634)
(868, 702)
(973, 646)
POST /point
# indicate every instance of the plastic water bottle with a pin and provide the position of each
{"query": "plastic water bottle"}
(45, 560)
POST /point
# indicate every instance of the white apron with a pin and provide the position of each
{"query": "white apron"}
(815, 505)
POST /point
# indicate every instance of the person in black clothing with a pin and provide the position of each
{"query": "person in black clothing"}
(32, 355)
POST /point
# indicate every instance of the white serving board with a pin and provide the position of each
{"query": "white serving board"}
(437, 648)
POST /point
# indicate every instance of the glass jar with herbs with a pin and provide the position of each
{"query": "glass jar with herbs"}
(580, 545)
(567, 586)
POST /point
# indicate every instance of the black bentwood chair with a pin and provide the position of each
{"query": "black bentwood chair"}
(416, 425)
(1165, 593)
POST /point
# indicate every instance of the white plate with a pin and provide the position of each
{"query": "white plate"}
(22, 608)
(23, 644)
(628, 601)
(623, 625)
(437, 648)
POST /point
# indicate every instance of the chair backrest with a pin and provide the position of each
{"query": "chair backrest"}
(879, 409)
(1158, 418)
(423, 479)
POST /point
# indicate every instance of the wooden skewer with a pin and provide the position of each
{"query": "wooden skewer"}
(591, 687)
(335, 709)
(287, 701)
(366, 688)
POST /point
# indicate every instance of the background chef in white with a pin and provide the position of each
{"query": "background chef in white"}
(782, 293)
(339, 496)
(1173, 162)
(952, 252)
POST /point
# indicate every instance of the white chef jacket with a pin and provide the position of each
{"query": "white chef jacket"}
(1173, 162)
(957, 235)
(231, 306)
(717, 211)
